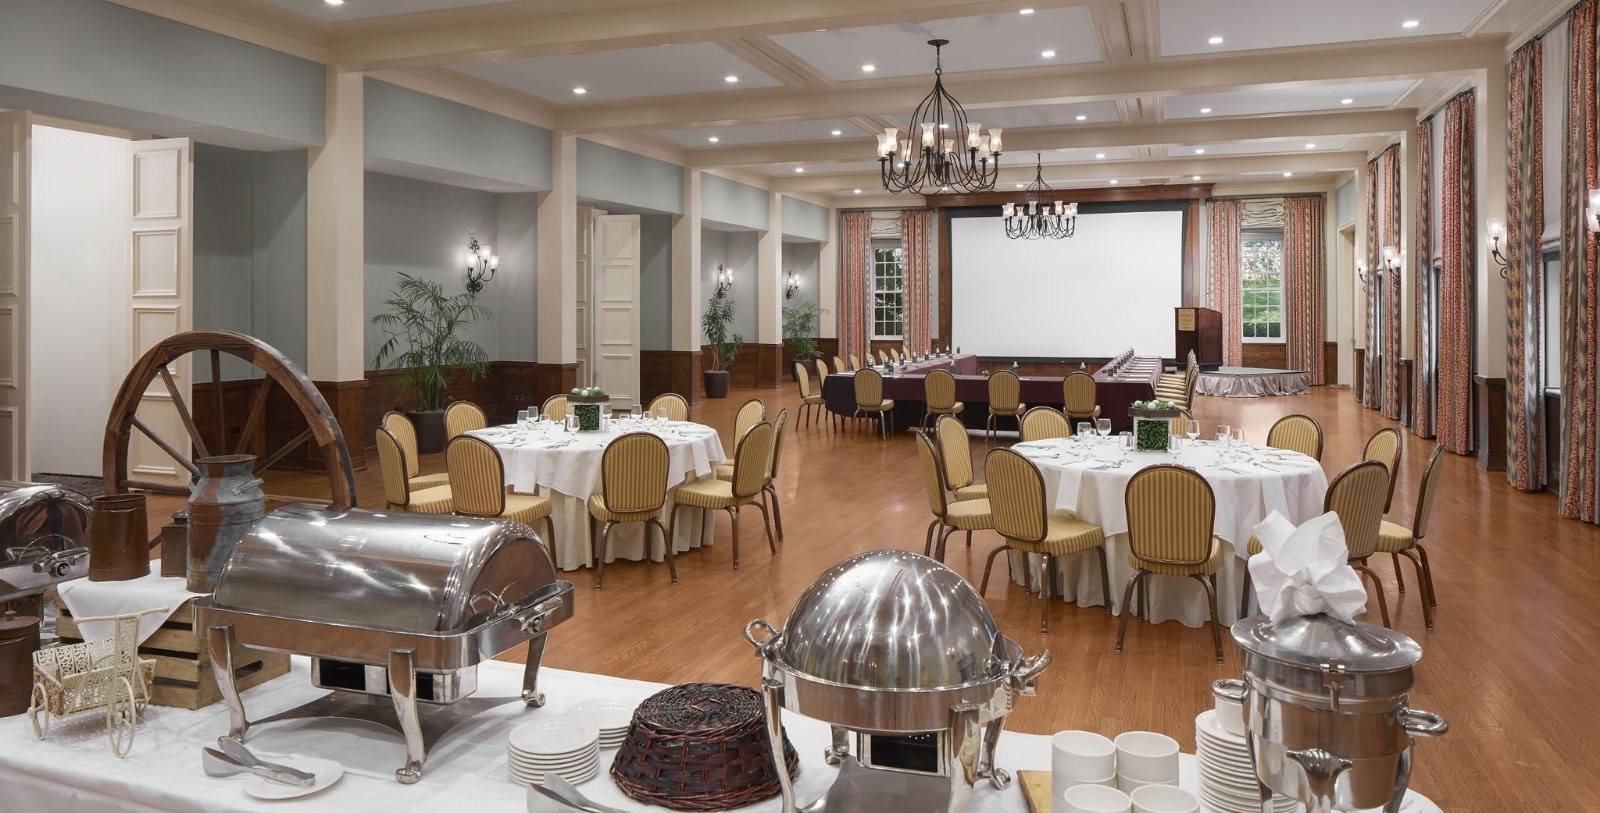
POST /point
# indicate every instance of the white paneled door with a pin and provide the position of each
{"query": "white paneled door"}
(616, 293)
(585, 283)
(16, 132)
(162, 293)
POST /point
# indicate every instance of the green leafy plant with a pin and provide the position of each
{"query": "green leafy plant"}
(424, 341)
(800, 328)
(714, 324)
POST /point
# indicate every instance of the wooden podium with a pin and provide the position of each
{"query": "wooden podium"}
(1199, 330)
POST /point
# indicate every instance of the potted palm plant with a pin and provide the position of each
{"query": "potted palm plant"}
(724, 348)
(425, 345)
(799, 332)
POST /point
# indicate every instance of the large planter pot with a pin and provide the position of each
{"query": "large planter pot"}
(431, 435)
(717, 383)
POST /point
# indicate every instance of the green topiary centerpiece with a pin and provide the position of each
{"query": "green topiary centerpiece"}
(1152, 424)
(586, 405)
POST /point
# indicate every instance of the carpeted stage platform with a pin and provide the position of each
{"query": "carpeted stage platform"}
(1252, 382)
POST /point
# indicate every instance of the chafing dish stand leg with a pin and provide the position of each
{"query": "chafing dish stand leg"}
(991, 742)
(839, 748)
(772, 693)
(403, 691)
(530, 673)
(1402, 779)
(1250, 748)
(220, 639)
(968, 731)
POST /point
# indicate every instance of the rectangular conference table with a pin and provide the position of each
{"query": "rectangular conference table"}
(1135, 380)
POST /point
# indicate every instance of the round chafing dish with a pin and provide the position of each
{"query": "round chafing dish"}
(44, 538)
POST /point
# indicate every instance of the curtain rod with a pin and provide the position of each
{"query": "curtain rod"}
(1269, 197)
(1551, 27)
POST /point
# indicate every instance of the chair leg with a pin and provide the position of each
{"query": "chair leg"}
(989, 565)
(1127, 607)
(1377, 589)
(766, 523)
(1399, 578)
(777, 511)
(1244, 598)
(666, 542)
(1427, 575)
(969, 539)
(1216, 623)
(927, 541)
(1047, 575)
(600, 569)
(1427, 606)
(733, 519)
(1105, 580)
(672, 525)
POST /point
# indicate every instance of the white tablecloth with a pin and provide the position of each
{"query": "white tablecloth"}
(1095, 487)
(87, 599)
(566, 467)
(73, 770)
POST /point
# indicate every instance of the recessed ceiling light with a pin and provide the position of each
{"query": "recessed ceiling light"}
(1347, 101)
(868, 68)
(1215, 40)
(579, 91)
(730, 79)
(1019, 186)
(1048, 54)
(713, 139)
(1026, 11)
(1410, 24)
(334, 2)
(1099, 155)
(799, 169)
(838, 132)
(858, 191)
(1113, 181)
(1083, 118)
(944, 189)
(901, 165)
(1205, 110)
(1195, 178)
(1201, 151)
(1311, 146)
(1288, 174)
(944, 125)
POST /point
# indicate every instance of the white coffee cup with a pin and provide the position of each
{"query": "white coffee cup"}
(1082, 755)
(1230, 715)
(1164, 799)
(1128, 784)
(1146, 756)
(1096, 799)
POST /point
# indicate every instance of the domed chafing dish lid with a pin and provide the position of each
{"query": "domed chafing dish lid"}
(1315, 640)
(894, 620)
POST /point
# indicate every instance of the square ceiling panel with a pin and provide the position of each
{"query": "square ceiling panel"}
(1040, 115)
(989, 42)
(1262, 147)
(1189, 26)
(367, 9)
(766, 133)
(1266, 101)
(822, 169)
(662, 70)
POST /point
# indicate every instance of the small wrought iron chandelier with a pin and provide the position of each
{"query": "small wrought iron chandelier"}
(1037, 216)
(482, 262)
(950, 154)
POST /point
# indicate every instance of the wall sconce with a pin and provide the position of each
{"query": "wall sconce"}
(481, 265)
(1497, 243)
(724, 280)
(1361, 273)
(1592, 213)
(1391, 258)
(794, 285)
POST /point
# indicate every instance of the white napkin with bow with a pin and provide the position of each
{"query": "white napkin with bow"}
(1305, 570)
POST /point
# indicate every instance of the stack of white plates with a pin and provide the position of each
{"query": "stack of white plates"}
(611, 715)
(568, 747)
(1227, 781)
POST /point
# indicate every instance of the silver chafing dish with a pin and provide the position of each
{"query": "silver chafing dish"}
(901, 652)
(1327, 710)
(44, 538)
(396, 611)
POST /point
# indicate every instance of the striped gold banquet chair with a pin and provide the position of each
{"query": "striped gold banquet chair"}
(677, 406)
(633, 488)
(855, 363)
(939, 396)
(838, 365)
(1297, 433)
(955, 455)
(404, 434)
(398, 492)
(894, 353)
(1023, 517)
(750, 472)
(810, 401)
(555, 408)
(870, 400)
(750, 413)
(1078, 397)
(1171, 510)
(1384, 447)
(771, 487)
(948, 517)
(1398, 540)
(463, 416)
(478, 485)
(1005, 400)
(883, 358)
(1042, 422)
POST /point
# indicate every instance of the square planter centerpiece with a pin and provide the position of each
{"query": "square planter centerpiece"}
(589, 404)
(1152, 425)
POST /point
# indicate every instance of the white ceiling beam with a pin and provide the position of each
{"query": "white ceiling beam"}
(256, 23)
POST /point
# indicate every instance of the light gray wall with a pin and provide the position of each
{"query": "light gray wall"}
(1344, 204)
(805, 260)
(105, 53)
(655, 282)
(515, 288)
(802, 219)
(733, 203)
(427, 131)
(609, 175)
(737, 251)
(278, 267)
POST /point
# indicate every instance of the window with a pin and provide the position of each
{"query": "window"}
(888, 291)
(1552, 319)
(1261, 286)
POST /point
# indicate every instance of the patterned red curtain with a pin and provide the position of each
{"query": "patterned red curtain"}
(855, 271)
(1369, 370)
(1580, 310)
(1524, 278)
(1424, 402)
(1305, 303)
(917, 240)
(1223, 286)
(1458, 206)
(1392, 285)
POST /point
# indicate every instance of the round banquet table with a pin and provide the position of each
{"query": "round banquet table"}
(1091, 479)
(565, 466)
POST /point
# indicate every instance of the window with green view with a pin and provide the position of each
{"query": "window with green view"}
(1261, 286)
(888, 292)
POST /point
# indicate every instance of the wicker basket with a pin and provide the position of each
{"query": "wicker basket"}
(700, 746)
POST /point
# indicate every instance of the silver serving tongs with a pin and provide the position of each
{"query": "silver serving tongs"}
(234, 758)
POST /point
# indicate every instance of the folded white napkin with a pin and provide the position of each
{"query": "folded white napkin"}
(1305, 570)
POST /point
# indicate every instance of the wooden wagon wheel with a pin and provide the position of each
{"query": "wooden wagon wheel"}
(278, 371)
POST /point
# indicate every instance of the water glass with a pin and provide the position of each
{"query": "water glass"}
(1193, 431)
(1223, 432)
(661, 413)
(572, 422)
(1238, 437)
(1127, 440)
(635, 412)
(1103, 426)
(1085, 431)
(522, 417)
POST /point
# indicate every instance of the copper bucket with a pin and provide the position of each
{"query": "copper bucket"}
(119, 543)
(223, 503)
(19, 639)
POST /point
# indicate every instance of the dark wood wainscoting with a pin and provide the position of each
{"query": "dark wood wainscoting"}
(825, 347)
(1358, 378)
(281, 422)
(1330, 363)
(1489, 412)
(1406, 371)
(1552, 441)
(1273, 356)
(663, 371)
(757, 365)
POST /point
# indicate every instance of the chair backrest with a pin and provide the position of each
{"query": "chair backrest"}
(932, 475)
(750, 461)
(633, 473)
(1384, 447)
(1430, 480)
(804, 379)
(1078, 394)
(955, 451)
(1356, 495)
(894, 353)
(392, 465)
(838, 365)
(1193, 365)
(1297, 433)
(883, 358)
(1043, 422)
(1181, 422)
(477, 477)
(677, 406)
(753, 411)
(1190, 380)
(555, 408)
(463, 416)
(822, 371)
(1005, 390)
(939, 389)
(869, 388)
(399, 426)
(855, 363)
(777, 442)
(1170, 514)
(1016, 495)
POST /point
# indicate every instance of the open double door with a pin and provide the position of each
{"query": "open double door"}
(608, 304)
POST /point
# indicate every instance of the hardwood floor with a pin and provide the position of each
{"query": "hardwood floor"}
(1509, 665)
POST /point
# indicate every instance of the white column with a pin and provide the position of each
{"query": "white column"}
(1412, 154)
(828, 280)
(686, 304)
(770, 275)
(335, 234)
(1491, 188)
(558, 255)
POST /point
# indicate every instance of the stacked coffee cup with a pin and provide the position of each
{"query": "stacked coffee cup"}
(1136, 773)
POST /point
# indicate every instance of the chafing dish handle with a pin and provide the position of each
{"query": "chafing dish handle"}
(766, 648)
(58, 564)
(1027, 671)
(1423, 723)
(1229, 689)
(534, 615)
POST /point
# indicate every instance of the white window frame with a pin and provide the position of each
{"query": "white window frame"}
(874, 290)
(1255, 235)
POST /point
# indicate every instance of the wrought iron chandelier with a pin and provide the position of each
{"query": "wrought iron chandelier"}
(950, 154)
(1038, 217)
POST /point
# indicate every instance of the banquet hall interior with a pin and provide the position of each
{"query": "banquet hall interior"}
(755, 350)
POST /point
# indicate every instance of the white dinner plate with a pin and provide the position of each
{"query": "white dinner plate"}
(575, 776)
(555, 737)
(1207, 723)
(551, 764)
(612, 715)
(566, 768)
(327, 772)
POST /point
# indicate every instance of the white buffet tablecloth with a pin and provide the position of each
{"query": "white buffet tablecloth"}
(566, 467)
(1093, 480)
(73, 771)
(87, 599)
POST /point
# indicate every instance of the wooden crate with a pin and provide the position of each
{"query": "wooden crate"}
(1036, 789)
(183, 661)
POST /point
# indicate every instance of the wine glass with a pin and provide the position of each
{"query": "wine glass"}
(1103, 426)
(1193, 431)
(1238, 438)
(1085, 432)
